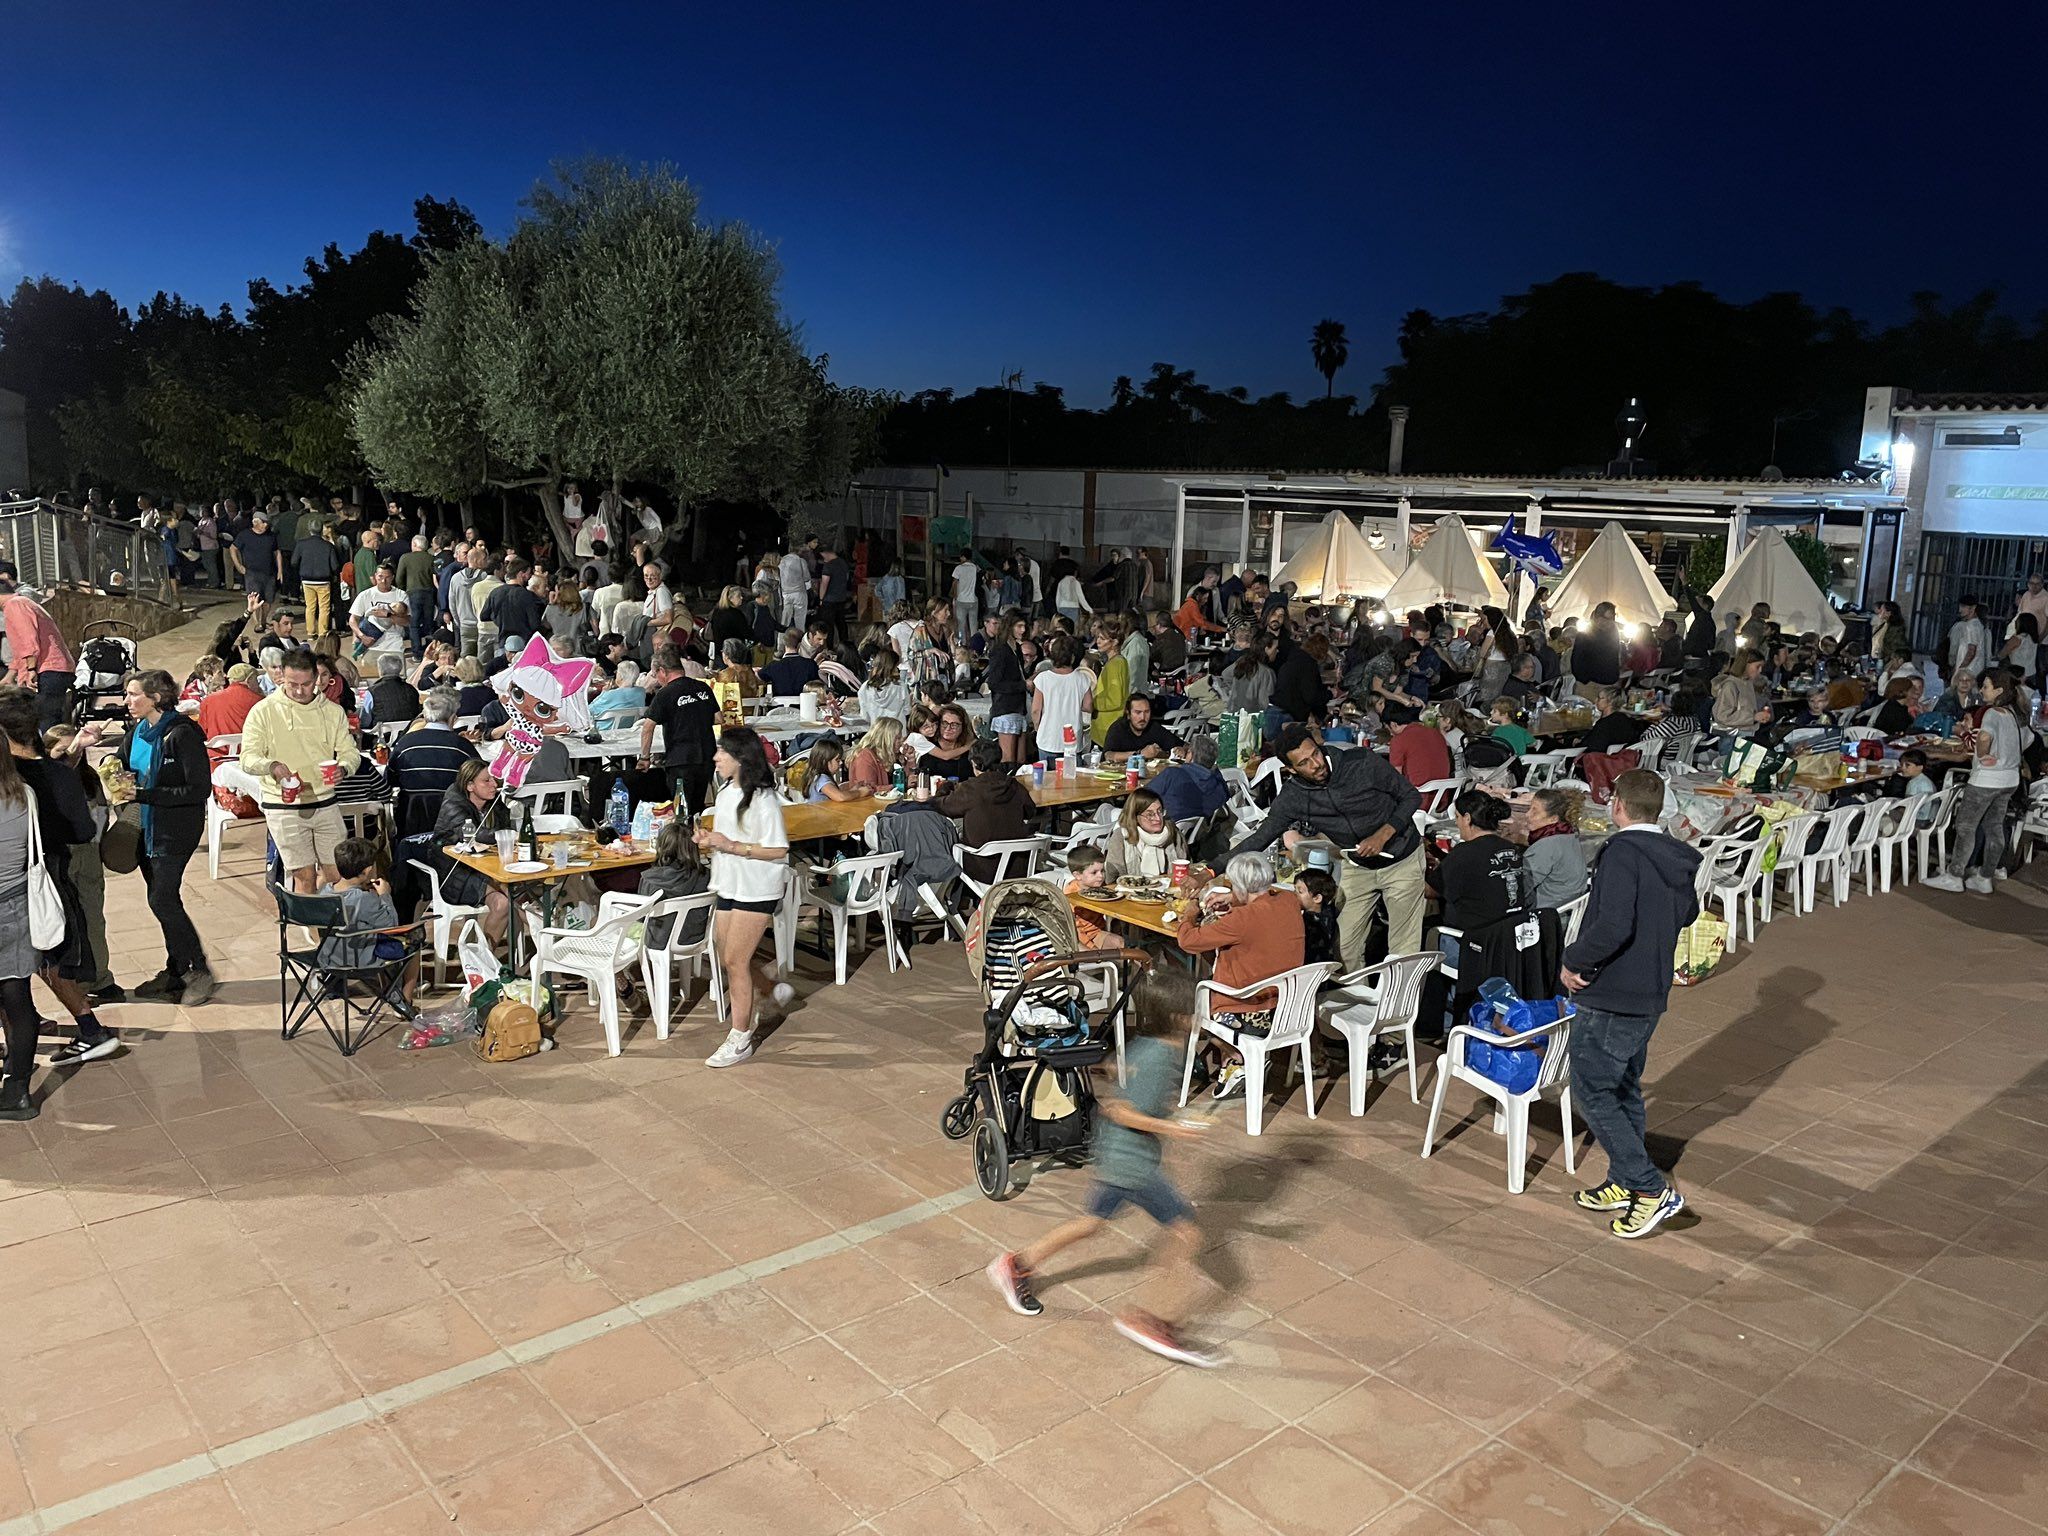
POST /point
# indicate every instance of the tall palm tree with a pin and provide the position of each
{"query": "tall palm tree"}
(1122, 392)
(1331, 350)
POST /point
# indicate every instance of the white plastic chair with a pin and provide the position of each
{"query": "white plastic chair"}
(1862, 733)
(1395, 989)
(870, 891)
(597, 955)
(219, 818)
(1294, 1021)
(1571, 915)
(1025, 851)
(1932, 839)
(1269, 771)
(1650, 751)
(1735, 868)
(1512, 1114)
(558, 797)
(444, 915)
(1895, 836)
(1439, 794)
(658, 961)
(1540, 768)
(1830, 857)
(1876, 819)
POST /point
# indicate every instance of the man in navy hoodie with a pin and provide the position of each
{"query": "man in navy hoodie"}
(1618, 971)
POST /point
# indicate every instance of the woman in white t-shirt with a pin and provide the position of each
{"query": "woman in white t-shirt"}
(1994, 775)
(749, 852)
(1061, 697)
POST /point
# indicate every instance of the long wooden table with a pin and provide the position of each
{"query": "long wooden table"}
(1129, 910)
(845, 818)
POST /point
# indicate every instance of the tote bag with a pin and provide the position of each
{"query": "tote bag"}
(46, 924)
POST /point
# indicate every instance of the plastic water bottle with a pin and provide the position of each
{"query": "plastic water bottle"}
(620, 813)
(643, 823)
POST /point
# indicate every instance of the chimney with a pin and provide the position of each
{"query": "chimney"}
(1397, 437)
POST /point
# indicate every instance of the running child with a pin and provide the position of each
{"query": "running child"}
(1128, 1149)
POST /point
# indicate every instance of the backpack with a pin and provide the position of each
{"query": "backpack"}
(511, 1030)
(106, 656)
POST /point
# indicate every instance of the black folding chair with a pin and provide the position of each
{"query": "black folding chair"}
(364, 997)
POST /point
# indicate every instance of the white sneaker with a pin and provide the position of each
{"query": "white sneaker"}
(2001, 873)
(1979, 885)
(783, 993)
(736, 1049)
(1944, 882)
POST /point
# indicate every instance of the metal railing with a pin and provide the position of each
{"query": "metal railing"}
(54, 545)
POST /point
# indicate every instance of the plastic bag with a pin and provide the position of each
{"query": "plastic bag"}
(445, 1025)
(1502, 1011)
(1700, 947)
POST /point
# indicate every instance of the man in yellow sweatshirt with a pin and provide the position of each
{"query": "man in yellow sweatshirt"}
(285, 741)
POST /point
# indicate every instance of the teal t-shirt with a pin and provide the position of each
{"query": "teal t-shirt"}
(1123, 1157)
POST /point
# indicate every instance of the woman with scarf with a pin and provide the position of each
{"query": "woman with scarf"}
(167, 756)
(1145, 844)
(1555, 859)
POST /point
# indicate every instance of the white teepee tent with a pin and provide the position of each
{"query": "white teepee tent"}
(1336, 562)
(1768, 572)
(1448, 569)
(1612, 570)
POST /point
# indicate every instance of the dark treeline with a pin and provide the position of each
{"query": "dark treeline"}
(176, 399)
(1531, 388)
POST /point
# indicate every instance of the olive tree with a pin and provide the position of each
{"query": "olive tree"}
(613, 335)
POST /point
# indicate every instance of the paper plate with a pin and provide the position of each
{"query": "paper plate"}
(527, 866)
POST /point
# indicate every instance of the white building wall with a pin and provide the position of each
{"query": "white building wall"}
(1987, 490)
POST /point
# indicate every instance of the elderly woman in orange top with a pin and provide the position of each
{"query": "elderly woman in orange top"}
(1255, 933)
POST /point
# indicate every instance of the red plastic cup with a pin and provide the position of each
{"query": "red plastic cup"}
(288, 788)
(330, 772)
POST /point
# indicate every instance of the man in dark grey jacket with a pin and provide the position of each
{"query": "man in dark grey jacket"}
(1357, 801)
(1618, 971)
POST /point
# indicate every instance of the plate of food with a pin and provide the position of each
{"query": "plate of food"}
(1144, 889)
(1106, 893)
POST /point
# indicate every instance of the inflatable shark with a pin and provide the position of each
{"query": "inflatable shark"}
(1535, 553)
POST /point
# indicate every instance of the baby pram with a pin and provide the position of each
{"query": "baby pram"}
(1027, 1092)
(106, 655)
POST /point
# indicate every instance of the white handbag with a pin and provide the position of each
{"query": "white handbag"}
(46, 922)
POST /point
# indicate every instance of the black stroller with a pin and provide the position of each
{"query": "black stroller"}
(107, 655)
(1027, 1093)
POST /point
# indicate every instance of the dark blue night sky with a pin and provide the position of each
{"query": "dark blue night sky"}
(1073, 191)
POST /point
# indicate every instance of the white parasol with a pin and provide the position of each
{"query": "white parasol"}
(1448, 569)
(1336, 562)
(1612, 570)
(1768, 572)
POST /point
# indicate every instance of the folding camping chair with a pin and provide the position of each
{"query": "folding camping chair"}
(309, 986)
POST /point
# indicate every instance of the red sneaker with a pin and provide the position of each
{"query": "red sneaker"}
(1014, 1281)
(1148, 1332)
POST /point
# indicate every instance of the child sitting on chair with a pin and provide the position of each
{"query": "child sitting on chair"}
(366, 906)
(1317, 889)
(1085, 870)
(1914, 784)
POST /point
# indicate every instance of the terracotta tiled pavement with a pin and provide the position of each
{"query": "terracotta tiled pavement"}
(258, 1288)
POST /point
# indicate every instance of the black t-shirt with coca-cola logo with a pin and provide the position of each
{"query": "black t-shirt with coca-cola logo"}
(687, 713)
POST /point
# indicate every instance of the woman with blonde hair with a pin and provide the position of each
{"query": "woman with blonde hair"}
(1145, 844)
(1113, 681)
(876, 754)
(729, 620)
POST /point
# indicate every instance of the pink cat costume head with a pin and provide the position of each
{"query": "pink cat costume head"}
(538, 690)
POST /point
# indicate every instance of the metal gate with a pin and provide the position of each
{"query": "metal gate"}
(53, 546)
(1991, 569)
